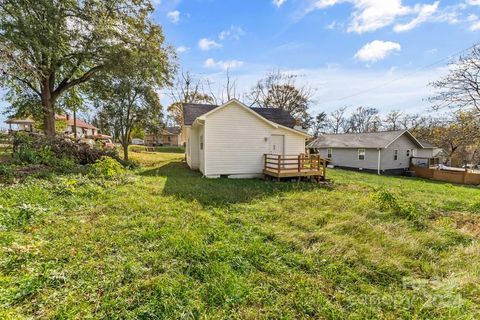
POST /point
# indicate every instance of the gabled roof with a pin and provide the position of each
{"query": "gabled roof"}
(426, 145)
(376, 140)
(79, 123)
(192, 111)
(171, 131)
(275, 115)
(19, 121)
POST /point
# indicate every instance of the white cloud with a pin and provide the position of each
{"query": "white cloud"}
(376, 50)
(182, 49)
(234, 32)
(174, 16)
(424, 13)
(475, 26)
(331, 25)
(224, 65)
(207, 44)
(371, 15)
(403, 89)
(278, 3)
(472, 17)
(474, 2)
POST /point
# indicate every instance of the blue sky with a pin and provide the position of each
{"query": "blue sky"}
(379, 53)
(382, 48)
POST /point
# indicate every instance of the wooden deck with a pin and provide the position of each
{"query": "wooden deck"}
(294, 166)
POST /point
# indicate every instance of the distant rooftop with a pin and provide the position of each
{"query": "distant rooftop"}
(368, 140)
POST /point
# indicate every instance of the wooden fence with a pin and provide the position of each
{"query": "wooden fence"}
(461, 177)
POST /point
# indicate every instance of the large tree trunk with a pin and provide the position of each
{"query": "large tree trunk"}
(48, 104)
(125, 150)
(49, 120)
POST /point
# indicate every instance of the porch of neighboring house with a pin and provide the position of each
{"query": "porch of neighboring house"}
(15, 125)
(295, 166)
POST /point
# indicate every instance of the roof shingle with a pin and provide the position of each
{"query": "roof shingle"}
(356, 140)
(276, 115)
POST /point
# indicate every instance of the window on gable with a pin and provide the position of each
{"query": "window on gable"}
(329, 153)
(408, 152)
(361, 154)
(395, 155)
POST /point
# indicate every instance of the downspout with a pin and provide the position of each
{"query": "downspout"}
(379, 160)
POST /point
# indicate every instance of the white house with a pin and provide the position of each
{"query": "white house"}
(380, 152)
(231, 139)
(84, 129)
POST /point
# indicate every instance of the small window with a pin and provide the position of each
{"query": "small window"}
(361, 154)
(201, 142)
(329, 153)
(395, 155)
(408, 153)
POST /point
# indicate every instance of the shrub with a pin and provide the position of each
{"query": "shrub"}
(106, 167)
(387, 201)
(131, 164)
(12, 217)
(6, 174)
(39, 149)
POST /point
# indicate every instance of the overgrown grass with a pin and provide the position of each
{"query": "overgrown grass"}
(170, 244)
(164, 149)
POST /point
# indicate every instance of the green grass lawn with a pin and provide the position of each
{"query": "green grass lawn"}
(165, 243)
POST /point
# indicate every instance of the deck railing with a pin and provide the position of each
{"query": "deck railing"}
(295, 163)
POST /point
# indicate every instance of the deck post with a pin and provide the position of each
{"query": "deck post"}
(324, 163)
(299, 162)
(265, 161)
(279, 160)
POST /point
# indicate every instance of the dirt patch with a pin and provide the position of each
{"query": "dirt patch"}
(465, 222)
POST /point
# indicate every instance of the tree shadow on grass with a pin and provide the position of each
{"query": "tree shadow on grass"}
(190, 185)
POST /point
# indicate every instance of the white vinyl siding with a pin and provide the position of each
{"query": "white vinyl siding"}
(236, 140)
(193, 159)
(348, 157)
(402, 144)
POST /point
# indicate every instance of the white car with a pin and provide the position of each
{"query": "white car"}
(138, 142)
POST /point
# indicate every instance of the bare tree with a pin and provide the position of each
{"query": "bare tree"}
(460, 88)
(280, 90)
(319, 122)
(392, 120)
(187, 89)
(364, 119)
(337, 119)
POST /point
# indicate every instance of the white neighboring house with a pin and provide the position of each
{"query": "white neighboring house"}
(84, 129)
(380, 152)
(231, 139)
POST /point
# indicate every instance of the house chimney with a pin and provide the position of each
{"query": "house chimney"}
(298, 125)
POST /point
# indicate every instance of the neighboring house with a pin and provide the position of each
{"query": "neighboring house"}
(381, 152)
(170, 136)
(232, 139)
(20, 125)
(431, 151)
(83, 129)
